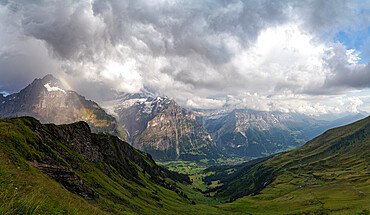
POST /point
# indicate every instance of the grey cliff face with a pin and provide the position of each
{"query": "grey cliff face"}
(167, 131)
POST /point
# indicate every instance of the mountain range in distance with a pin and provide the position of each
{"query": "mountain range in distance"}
(167, 131)
(245, 132)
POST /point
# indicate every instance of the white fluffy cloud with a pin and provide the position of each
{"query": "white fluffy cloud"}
(354, 103)
(266, 55)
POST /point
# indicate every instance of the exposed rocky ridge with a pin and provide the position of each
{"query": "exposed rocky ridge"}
(89, 164)
(50, 102)
(165, 130)
(96, 148)
(67, 178)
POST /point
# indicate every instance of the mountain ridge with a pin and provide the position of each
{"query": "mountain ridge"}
(49, 101)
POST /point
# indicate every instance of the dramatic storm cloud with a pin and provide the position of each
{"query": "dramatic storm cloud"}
(302, 56)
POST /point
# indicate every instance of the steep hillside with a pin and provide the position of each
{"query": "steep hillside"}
(101, 169)
(165, 130)
(49, 101)
(329, 174)
(31, 192)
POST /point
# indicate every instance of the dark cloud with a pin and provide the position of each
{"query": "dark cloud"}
(357, 77)
(67, 26)
(183, 49)
(343, 74)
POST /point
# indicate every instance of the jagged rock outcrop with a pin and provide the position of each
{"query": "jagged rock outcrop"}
(67, 178)
(92, 147)
(48, 100)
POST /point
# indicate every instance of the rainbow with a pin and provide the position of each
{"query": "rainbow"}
(75, 95)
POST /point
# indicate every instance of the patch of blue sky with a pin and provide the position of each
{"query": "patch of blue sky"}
(362, 93)
(356, 39)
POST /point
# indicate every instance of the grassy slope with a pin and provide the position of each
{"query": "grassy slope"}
(37, 193)
(23, 188)
(30, 192)
(330, 174)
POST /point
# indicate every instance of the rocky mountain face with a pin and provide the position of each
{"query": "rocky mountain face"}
(49, 101)
(249, 133)
(162, 128)
(135, 112)
(98, 167)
